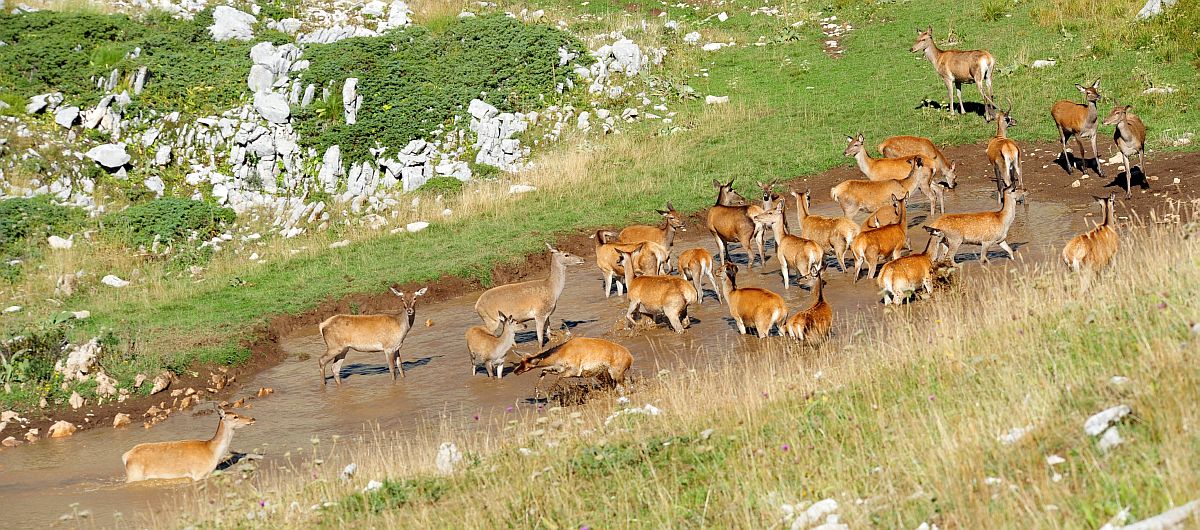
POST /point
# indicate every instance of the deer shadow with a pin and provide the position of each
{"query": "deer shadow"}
(233, 460)
(1069, 160)
(1138, 179)
(972, 107)
(364, 369)
(531, 334)
(995, 252)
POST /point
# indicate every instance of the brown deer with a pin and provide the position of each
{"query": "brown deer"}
(815, 322)
(768, 201)
(901, 278)
(832, 233)
(194, 459)
(382, 333)
(804, 255)
(489, 346)
(1005, 154)
(580, 357)
(669, 295)
(905, 146)
(956, 67)
(728, 221)
(1094, 249)
(695, 262)
(760, 307)
(652, 261)
(884, 168)
(984, 228)
(665, 236)
(531, 300)
(1079, 121)
(1130, 138)
(885, 242)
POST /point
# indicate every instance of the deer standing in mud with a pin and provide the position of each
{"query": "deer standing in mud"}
(489, 346)
(761, 308)
(815, 322)
(901, 278)
(194, 459)
(669, 295)
(382, 333)
(531, 300)
(1094, 249)
(804, 255)
(694, 263)
(1080, 121)
(956, 67)
(580, 357)
(652, 261)
(730, 221)
(906, 146)
(665, 236)
(768, 201)
(832, 233)
(885, 242)
(872, 195)
(1130, 138)
(983, 228)
(1005, 154)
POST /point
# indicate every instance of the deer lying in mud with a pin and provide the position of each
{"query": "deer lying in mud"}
(759, 307)
(489, 346)
(382, 333)
(1081, 122)
(815, 322)
(886, 241)
(870, 195)
(956, 67)
(194, 459)
(665, 236)
(793, 251)
(694, 263)
(531, 300)
(901, 278)
(832, 233)
(580, 357)
(984, 228)
(729, 221)
(1092, 250)
(652, 261)
(906, 146)
(1130, 138)
(669, 295)
(1005, 154)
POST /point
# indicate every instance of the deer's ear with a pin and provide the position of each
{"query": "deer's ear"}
(716, 183)
(1080, 87)
(929, 30)
(669, 206)
(421, 292)
(395, 292)
(1096, 84)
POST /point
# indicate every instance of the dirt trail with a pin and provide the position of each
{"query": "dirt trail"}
(44, 479)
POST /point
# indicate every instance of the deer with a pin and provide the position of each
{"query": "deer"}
(653, 261)
(983, 228)
(580, 357)
(857, 195)
(905, 146)
(886, 241)
(1080, 121)
(956, 67)
(382, 333)
(1094, 249)
(815, 322)
(1130, 138)
(883, 168)
(793, 251)
(768, 201)
(761, 308)
(1005, 154)
(665, 236)
(901, 278)
(530, 300)
(727, 222)
(669, 295)
(489, 346)
(831, 233)
(194, 459)
(695, 262)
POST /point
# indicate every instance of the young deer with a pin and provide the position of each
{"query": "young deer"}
(728, 221)
(695, 262)
(652, 261)
(669, 295)
(382, 333)
(768, 201)
(884, 168)
(1005, 154)
(762, 308)
(956, 67)
(531, 300)
(489, 346)
(856, 195)
(1079, 121)
(665, 236)
(194, 459)
(832, 233)
(814, 323)
(1092, 250)
(580, 357)
(804, 255)
(1130, 138)
(901, 278)
(984, 228)
(905, 146)
(886, 241)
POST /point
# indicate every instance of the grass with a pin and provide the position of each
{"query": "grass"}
(792, 106)
(898, 421)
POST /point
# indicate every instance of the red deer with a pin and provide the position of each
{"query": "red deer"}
(984, 228)
(580, 357)
(665, 236)
(832, 233)
(532, 300)
(901, 278)
(694, 263)
(669, 295)
(728, 221)
(194, 459)
(884, 242)
(1005, 154)
(489, 346)
(759, 307)
(804, 255)
(381, 333)
(905, 146)
(1079, 121)
(956, 67)
(1130, 138)
(1092, 250)
(814, 323)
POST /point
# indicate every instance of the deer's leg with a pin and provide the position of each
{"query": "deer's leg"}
(949, 93)
(608, 278)
(983, 250)
(699, 287)
(391, 362)
(952, 245)
(633, 304)
(783, 269)
(1096, 154)
(740, 325)
(1128, 175)
(1004, 245)
(1083, 154)
(1062, 138)
(839, 250)
(713, 281)
(337, 369)
(958, 90)
(673, 317)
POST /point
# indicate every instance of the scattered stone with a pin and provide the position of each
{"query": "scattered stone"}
(1159, 90)
(521, 188)
(1054, 460)
(59, 243)
(1014, 435)
(1110, 439)
(1043, 63)
(160, 383)
(111, 156)
(114, 281)
(62, 429)
(692, 38)
(340, 244)
(372, 486)
(10, 442)
(712, 46)
(1076, 184)
(66, 116)
(12, 309)
(447, 458)
(1153, 8)
(76, 400)
(138, 380)
(349, 470)
(416, 226)
(715, 100)
(121, 419)
(78, 364)
(1099, 422)
(273, 107)
(229, 23)
(351, 100)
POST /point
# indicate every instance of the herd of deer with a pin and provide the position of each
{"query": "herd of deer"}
(638, 258)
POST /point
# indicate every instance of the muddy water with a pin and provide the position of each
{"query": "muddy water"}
(42, 480)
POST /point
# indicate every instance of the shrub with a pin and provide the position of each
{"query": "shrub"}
(26, 223)
(29, 357)
(441, 186)
(171, 220)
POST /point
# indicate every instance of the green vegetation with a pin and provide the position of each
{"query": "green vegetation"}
(414, 81)
(26, 223)
(1173, 36)
(441, 186)
(169, 221)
